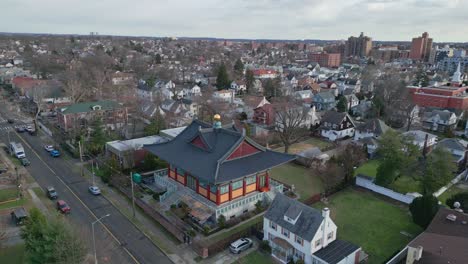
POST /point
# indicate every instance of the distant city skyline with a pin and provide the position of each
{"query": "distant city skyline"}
(384, 20)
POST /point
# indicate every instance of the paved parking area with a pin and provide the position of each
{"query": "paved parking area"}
(226, 257)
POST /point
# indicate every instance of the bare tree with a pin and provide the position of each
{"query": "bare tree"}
(330, 173)
(290, 122)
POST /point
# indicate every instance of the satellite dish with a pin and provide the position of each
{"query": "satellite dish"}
(456, 205)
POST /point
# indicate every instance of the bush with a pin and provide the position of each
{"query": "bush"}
(423, 209)
(173, 206)
(265, 247)
(206, 230)
(462, 198)
(222, 221)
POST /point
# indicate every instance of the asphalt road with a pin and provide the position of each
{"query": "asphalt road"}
(117, 239)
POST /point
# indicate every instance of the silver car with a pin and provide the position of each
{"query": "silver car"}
(240, 245)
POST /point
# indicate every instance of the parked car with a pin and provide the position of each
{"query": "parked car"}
(49, 148)
(63, 207)
(240, 245)
(55, 153)
(11, 121)
(29, 129)
(94, 190)
(25, 162)
(19, 215)
(51, 193)
(20, 129)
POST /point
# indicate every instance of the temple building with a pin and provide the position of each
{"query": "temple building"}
(219, 167)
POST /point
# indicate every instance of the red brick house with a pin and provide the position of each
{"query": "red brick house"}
(264, 115)
(111, 113)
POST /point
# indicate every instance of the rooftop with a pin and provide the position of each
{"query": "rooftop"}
(336, 251)
(88, 106)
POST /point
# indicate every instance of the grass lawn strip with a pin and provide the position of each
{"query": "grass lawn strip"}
(306, 183)
(224, 234)
(13, 255)
(255, 258)
(8, 194)
(371, 223)
(368, 169)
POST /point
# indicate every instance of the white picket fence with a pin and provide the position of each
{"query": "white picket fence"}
(369, 184)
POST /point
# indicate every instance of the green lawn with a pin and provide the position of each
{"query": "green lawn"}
(304, 180)
(451, 191)
(255, 258)
(8, 194)
(406, 184)
(369, 168)
(13, 255)
(16, 203)
(374, 224)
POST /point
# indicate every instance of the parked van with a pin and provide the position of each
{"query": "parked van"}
(17, 150)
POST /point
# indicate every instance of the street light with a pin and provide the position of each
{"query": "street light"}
(94, 239)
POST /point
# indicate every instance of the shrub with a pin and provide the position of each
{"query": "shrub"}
(265, 246)
(423, 209)
(222, 221)
(173, 206)
(206, 230)
(462, 198)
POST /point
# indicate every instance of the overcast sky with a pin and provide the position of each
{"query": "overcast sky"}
(445, 20)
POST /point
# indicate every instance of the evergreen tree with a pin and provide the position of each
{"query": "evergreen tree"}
(342, 105)
(222, 79)
(272, 88)
(423, 209)
(421, 78)
(238, 67)
(249, 80)
(98, 138)
(437, 170)
(157, 59)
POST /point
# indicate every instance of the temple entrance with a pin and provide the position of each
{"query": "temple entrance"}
(191, 182)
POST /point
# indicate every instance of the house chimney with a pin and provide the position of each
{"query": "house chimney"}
(326, 212)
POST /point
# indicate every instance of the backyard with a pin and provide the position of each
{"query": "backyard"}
(305, 182)
(403, 184)
(13, 254)
(361, 216)
(452, 191)
(307, 144)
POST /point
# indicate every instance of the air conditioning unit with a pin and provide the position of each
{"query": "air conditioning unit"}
(451, 217)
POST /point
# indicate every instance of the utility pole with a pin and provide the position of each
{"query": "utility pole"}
(94, 239)
(92, 170)
(133, 194)
(81, 157)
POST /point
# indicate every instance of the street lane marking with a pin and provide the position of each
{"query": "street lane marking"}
(76, 196)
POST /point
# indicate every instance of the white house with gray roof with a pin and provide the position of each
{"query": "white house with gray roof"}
(296, 231)
(439, 120)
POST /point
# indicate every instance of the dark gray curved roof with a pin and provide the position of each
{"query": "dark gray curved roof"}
(210, 163)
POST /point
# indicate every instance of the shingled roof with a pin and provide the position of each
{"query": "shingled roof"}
(205, 153)
(376, 126)
(307, 224)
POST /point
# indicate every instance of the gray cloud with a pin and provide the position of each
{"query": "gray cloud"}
(445, 20)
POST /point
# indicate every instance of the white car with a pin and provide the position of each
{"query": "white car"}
(49, 148)
(30, 129)
(94, 190)
(240, 245)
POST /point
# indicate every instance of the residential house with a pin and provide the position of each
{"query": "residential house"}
(130, 153)
(309, 120)
(372, 128)
(336, 125)
(239, 86)
(299, 232)
(444, 240)
(264, 115)
(324, 101)
(221, 169)
(121, 78)
(75, 116)
(265, 74)
(351, 99)
(304, 96)
(252, 102)
(224, 95)
(363, 109)
(456, 147)
(439, 120)
(418, 138)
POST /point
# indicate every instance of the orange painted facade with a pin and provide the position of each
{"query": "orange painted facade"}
(250, 188)
(202, 191)
(236, 193)
(213, 197)
(180, 178)
(224, 198)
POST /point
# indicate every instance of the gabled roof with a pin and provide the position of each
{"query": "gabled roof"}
(306, 225)
(444, 115)
(326, 95)
(376, 126)
(452, 144)
(334, 117)
(336, 251)
(217, 156)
